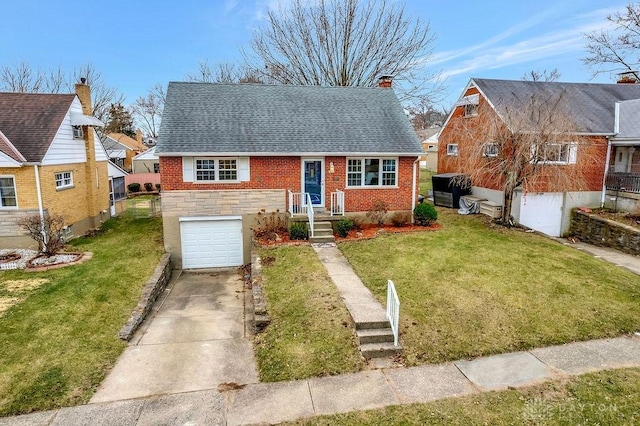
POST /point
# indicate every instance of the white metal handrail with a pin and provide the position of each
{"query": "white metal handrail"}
(309, 213)
(297, 204)
(393, 310)
(337, 203)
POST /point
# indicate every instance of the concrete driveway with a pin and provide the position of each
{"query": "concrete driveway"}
(194, 341)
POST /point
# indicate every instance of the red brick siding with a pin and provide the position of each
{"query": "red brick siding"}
(589, 164)
(285, 173)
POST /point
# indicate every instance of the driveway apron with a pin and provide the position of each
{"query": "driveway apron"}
(194, 341)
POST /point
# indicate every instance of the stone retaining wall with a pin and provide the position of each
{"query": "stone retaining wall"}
(603, 232)
(154, 287)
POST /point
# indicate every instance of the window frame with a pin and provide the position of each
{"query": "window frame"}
(391, 164)
(470, 110)
(571, 153)
(450, 151)
(216, 170)
(78, 132)
(487, 154)
(14, 196)
(63, 179)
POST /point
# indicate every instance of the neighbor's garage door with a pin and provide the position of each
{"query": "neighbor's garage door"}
(542, 212)
(211, 243)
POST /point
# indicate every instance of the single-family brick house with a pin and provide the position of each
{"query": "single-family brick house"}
(229, 151)
(592, 109)
(50, 160)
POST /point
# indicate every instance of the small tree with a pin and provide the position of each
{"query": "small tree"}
(46, 231)
(378, 212)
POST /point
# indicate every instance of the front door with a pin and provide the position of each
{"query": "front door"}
(313, 180)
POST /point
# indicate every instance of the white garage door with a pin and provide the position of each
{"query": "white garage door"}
(211, 243)
(542, 212)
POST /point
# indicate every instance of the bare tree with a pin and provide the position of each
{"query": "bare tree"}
(344, 43)
(225, 72)
(545, 75)
(617, 49)
(147, 111)
(424, 115)
(46, 231)
(23, 78)
(527, 143)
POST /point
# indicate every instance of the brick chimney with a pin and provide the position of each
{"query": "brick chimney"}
(92, 172)
(385, 81)
(139, 138)
(627, 77)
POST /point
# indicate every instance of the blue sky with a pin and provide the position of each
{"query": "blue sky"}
(136, 44)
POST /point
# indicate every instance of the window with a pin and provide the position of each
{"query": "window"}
(556, 153)
(64, 180)
(156, 167)
(372, 172)
(8, 192)
(67, 231)
(470, 110)
(213, 169)
(452, 149)
(490, 150)
(77, 132)
(119, 192)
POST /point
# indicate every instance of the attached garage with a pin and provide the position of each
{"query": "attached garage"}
(211, 242)
(542, 212)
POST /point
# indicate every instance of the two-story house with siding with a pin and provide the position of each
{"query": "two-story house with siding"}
(50, 161)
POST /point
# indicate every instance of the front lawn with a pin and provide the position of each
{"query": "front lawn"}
(469, 290)
(603, 398)
(310, 333)
(58, 342)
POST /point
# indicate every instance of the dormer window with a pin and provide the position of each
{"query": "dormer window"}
(469, 105)
(77, 132)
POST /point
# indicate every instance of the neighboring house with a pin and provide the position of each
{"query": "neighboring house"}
(117, 189)
(429, 138)
(121, 148)
(229, 151)
(623, 171)
(50, 160)
(592, 107)
(146, 162)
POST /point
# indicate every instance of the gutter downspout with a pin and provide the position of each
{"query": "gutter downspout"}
(40, 209)
(606, 172)
(413, 191)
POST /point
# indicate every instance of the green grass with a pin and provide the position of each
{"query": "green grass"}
(425, 181)
(603, 398)
(470, 290)
(309, 334)
(58, 343)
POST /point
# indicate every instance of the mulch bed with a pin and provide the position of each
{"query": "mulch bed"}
(365, 233)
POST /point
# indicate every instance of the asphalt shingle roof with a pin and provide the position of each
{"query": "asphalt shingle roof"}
(591, 104)
(30, 120)
(267, 119)
(629, 119)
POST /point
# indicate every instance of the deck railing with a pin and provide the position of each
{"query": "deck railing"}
(625, 182)
(310, 213)
(393, 310)
(337, 203)
(297, 204)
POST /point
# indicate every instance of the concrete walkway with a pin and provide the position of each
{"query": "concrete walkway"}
(618, 258)
(194, 341)
(287, 401)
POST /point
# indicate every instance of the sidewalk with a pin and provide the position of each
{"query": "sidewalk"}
(288, 401)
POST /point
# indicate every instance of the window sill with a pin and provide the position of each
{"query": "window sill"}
(64, 188)
(9, 208)
(218, 182)
(373, 187)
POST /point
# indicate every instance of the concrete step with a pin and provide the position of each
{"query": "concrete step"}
(379, 350)
(322, 233)
(325, 239)
(376, 335)
(322, 225)
(364, 325)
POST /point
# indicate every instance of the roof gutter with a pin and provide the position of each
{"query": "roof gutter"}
(289, 154)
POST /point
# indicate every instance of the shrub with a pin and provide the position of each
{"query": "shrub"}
(343, 227)
(298, 231)
(158, 187)
(425, 214)
(148, 186)
(378, 212)
(270, 225)
(358, 222)
(133, 187)
(400, 219)
(46, 231)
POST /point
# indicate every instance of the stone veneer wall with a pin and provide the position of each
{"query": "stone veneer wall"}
(604, 232)
(154, 287)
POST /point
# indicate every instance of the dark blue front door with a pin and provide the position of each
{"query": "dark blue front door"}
(313, 180)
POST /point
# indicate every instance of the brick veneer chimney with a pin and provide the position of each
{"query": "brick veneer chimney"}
(628, 77)
(385, 81)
